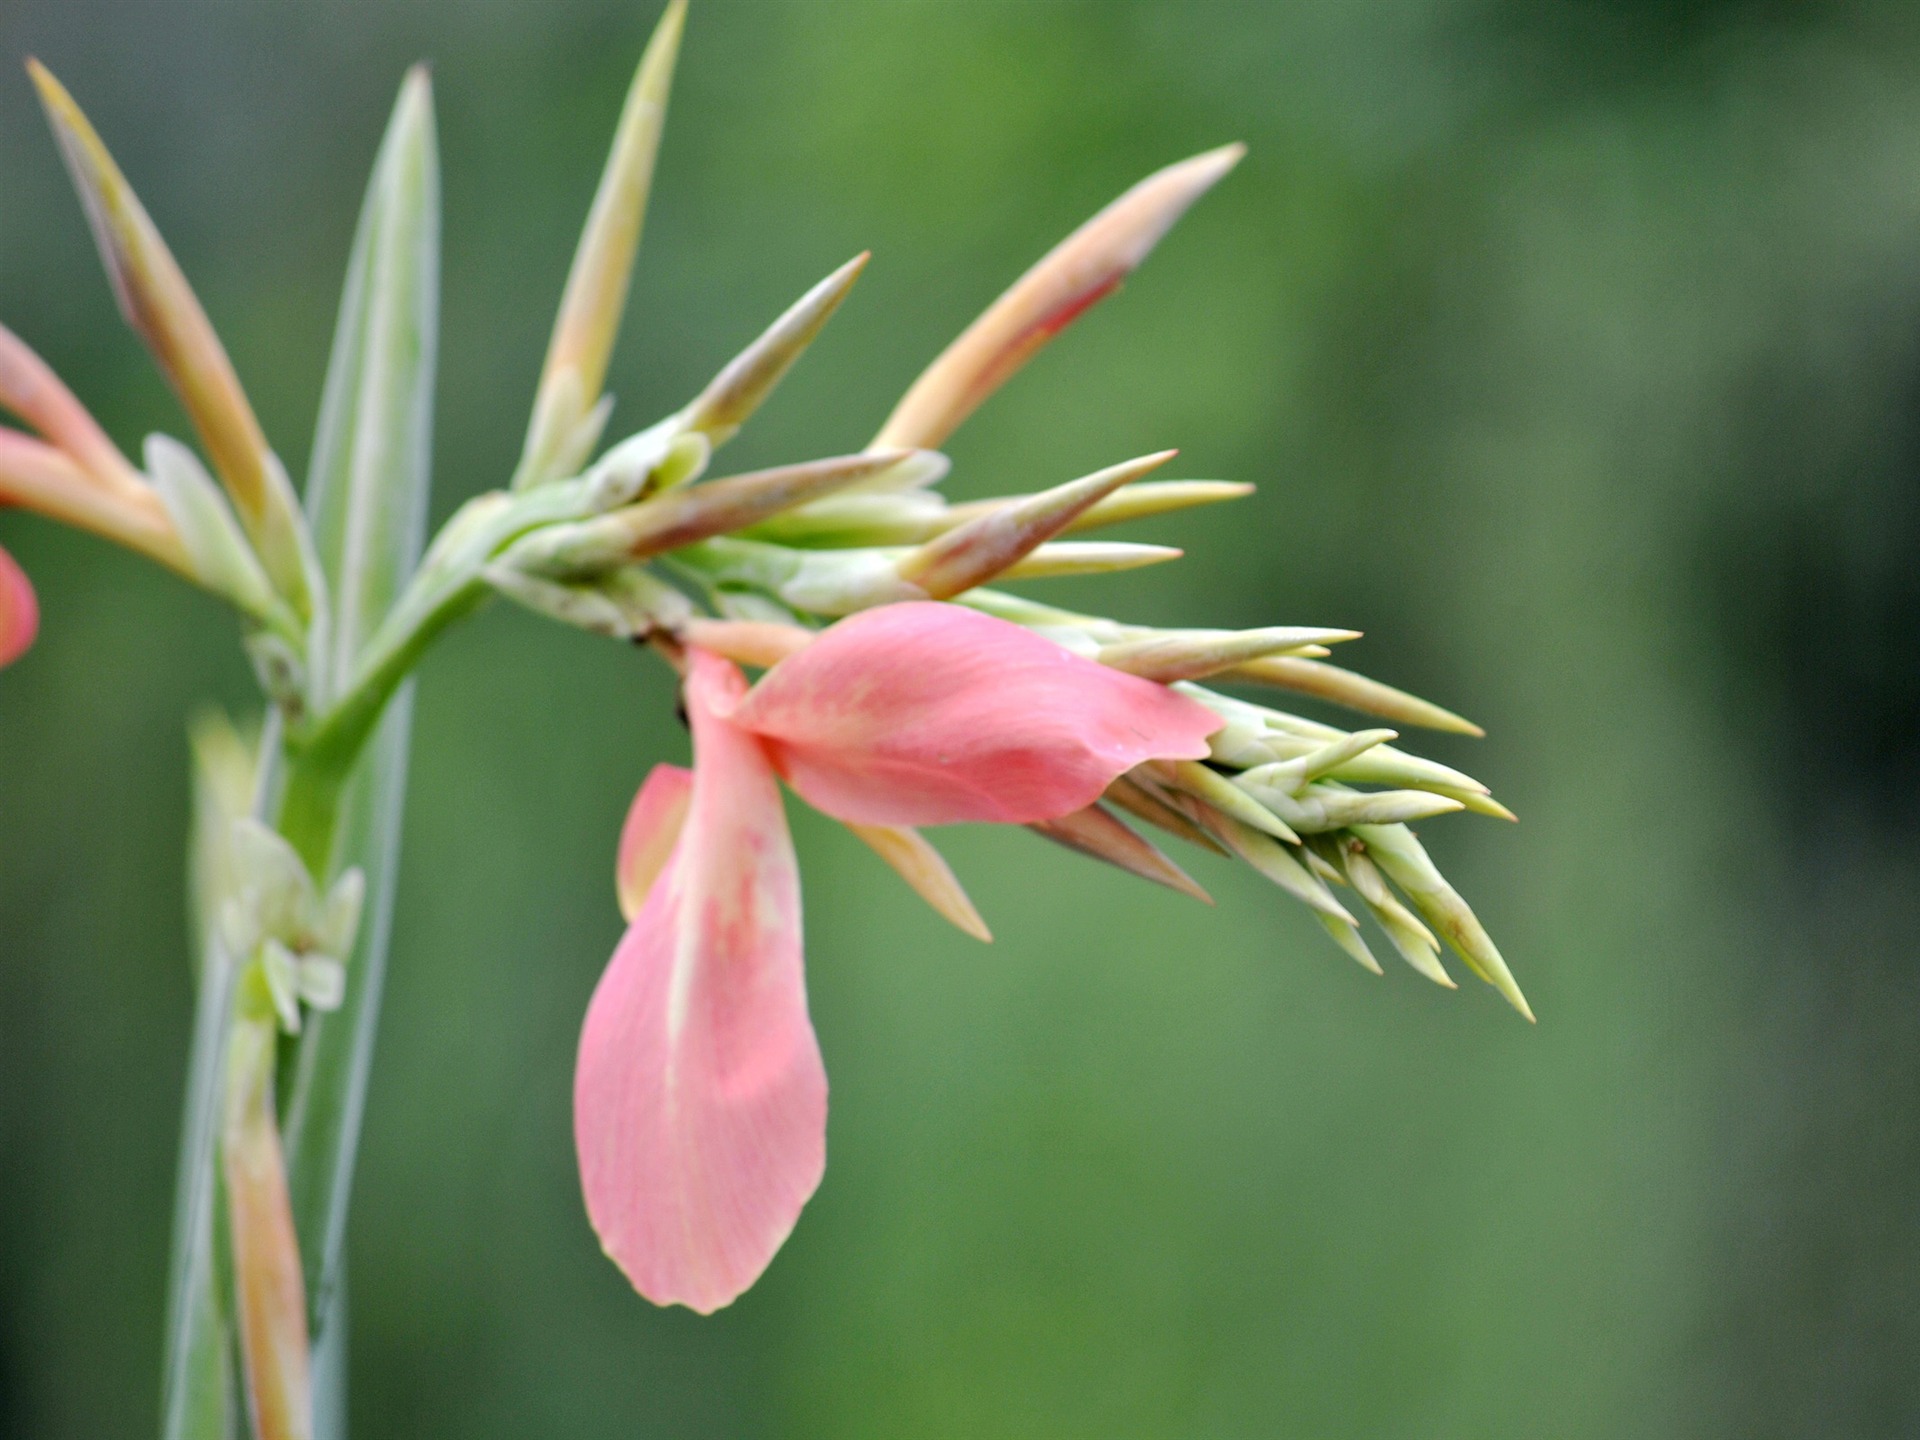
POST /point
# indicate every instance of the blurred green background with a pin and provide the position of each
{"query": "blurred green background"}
(1575, 345)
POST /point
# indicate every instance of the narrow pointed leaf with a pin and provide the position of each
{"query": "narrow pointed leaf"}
(367, 495)
(1077, 273)
(367, 483)
(596, 292)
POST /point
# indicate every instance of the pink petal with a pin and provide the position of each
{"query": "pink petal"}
(19, 611)
(700, 1103)
(647, 839)
(924, 714)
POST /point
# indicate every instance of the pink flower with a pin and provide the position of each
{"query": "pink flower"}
(19, 611)
(700, 1100)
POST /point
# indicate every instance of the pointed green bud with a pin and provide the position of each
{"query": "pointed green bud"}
(1347, 936)
(993, 543)
(1356, 692)
(625, 604)
(681, 517)
(867, 518)
(1138, 797)
(1158, 497)
(818, 582)
(596, 294)
(737, 391)
(1320, 808)
(1292, 776)
(1195, 779)
(1064, 558)
(1169, 655)
(628, 470)
(1133, 502)
(221, 557)
(1405, 861)
(1097, 833)
(1277, 862)
(1416, 943)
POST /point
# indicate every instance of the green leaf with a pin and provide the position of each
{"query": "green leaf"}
(197, 1392)
(367, 488)
(367, 499)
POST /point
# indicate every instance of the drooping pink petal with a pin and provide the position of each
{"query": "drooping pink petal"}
(925, 714)
(647, 838)
(19, 611)
(700, 1102)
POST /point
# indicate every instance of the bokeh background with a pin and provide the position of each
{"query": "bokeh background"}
(1575, 345)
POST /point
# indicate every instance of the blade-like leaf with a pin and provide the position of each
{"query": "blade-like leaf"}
(367, 486)
(367, 497)
(198, 1382)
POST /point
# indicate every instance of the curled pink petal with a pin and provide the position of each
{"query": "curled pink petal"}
(925, 714)
(700, 1103)
(19, 611)
(647, 838)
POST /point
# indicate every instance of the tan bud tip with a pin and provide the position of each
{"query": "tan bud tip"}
(914, 860)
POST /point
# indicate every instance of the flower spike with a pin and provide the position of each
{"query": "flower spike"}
(1076, 274)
